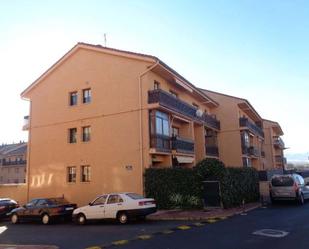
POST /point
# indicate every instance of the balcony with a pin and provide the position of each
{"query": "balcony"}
(278, 143)
(182, 145)
(169, 101)
(253, 151)
(212, 150)
(244, 122)
(26, 123)
(160, 143)
(16, 162)
(279, 159)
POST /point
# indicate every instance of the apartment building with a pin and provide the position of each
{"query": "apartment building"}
(13, 163)
(274, 145)
(100, 116)
(241, 138)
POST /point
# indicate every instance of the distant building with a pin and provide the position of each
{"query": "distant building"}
(13, 163)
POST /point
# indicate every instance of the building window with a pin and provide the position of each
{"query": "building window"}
(85, 173)
(162, 124)
(175, 131)
(16, 170)
(72, 135)
(156, 85)
(86, 133)
(245, 139)
(246, 162)
(71, 174)
(86, 95)
(73, 98)
(174, 94)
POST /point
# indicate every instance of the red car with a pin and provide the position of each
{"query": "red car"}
(44, 210)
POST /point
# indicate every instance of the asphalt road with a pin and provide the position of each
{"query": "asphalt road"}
(71, 236)
(235, 232)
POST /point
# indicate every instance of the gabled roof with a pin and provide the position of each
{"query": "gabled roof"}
(243, 104)
(276, 126)
(139, 56)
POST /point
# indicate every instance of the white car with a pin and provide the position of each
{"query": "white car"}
(120, 206)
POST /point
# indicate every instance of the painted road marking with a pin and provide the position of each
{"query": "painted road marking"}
(120, 242)
(198, 224)
(271, 233)
(144, 237)
(184, 227)
(167, 231)
(211, 221)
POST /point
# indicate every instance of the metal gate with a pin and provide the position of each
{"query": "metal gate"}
(212, 194)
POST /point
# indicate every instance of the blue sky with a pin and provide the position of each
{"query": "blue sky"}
(252, 49)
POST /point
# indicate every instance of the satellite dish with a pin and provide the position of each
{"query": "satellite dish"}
(199, 113)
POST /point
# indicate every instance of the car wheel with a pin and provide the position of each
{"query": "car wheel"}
(14, 219)
(301, 199)
(122, 218)
(81, 219)
(45, 219)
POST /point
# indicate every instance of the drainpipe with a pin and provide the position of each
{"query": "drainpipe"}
(141, 145)
(28, 154)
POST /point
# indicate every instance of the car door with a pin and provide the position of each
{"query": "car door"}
(96, 209)
(114, 204)
(28, 212)
(304, 187)
(39, 207)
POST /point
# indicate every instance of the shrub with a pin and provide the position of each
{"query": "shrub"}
(173, 188)
(183, 188)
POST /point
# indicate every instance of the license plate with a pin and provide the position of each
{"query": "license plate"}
(69, 208)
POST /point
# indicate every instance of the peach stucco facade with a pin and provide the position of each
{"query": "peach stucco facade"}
(274, 145)
(241, 138)
(141, 114)
(100, 116)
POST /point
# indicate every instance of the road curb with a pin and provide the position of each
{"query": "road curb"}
(13, 246)
(203, 218)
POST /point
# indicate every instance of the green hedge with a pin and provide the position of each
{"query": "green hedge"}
(173, 188)
(183, 188)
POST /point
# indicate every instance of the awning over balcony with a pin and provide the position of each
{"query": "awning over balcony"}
(184, 159)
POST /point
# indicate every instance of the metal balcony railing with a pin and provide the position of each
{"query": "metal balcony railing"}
(212, 150)
(244, 122)
(160, 142)
(278, 142)
(169, 101)
(6, 163)
(183, 145)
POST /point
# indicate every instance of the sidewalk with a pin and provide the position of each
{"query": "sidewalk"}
(201, 214)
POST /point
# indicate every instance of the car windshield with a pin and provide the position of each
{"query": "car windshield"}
(58, 201)
(282, 181)
(135, 196)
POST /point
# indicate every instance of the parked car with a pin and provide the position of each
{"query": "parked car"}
(120, 206)
(6, 206)
(289, 187)
(44, 209)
